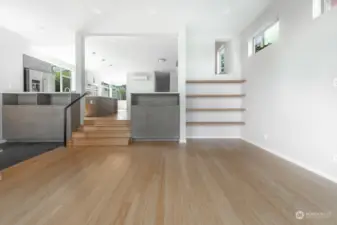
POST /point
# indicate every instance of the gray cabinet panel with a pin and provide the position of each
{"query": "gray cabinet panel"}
(163, 122)
(155, 117)
(33, 123)
(33, 117)
(139, 122)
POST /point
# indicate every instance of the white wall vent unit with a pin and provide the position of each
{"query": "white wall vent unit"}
(140, 77)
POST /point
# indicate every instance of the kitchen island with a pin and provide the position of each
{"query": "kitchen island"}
(38, 117)
(155, 116)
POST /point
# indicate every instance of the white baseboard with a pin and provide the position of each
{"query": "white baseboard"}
(300, 164)
(182, 141)
(216, 137)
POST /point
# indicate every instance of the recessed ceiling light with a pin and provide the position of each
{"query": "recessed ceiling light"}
(94, 53)
(110, 65)
(153, 12)
(227, 11)
(161, 60)
(97, 11)
(103, 60)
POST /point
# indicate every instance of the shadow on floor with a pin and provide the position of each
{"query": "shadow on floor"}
(14, 153)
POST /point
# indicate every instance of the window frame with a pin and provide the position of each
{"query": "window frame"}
(261, 33)
(323, 8)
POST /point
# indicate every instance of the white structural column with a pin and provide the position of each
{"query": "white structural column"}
(80, 68)
(182, 70)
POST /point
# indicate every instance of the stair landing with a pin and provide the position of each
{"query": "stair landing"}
(113, 130)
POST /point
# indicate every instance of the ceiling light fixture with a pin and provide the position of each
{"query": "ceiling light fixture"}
(153, 12)
(162, 60)
(110, 65)
(226, 12)
(94, 53)
(103, 60)
(97, 11)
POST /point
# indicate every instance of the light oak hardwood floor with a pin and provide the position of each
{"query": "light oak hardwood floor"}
(206, 182)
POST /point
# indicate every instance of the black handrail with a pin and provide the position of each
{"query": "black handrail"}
(66, 116)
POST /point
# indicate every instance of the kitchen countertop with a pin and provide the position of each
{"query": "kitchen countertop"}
(40, 93)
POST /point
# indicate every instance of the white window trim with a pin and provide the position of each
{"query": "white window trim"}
(320, 7)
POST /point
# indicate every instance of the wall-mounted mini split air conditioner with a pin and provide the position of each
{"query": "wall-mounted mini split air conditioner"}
(140, 77)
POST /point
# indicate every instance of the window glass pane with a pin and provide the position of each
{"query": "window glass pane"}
(57, 82)
(271, 34)
(66, 84)
(258, 43)
(222, 60)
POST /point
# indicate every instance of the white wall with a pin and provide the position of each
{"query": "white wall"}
(201, 65)
(291, 98)
(11, 64)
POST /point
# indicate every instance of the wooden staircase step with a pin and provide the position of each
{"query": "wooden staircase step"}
(106, 122)
(86, 128)
(100, 141)
(102, 134)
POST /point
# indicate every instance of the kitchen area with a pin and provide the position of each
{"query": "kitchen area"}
(154, 104)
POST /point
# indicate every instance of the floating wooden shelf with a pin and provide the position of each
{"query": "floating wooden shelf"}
(215, 81)
(214, 123)
(215, 96)
(215, 110)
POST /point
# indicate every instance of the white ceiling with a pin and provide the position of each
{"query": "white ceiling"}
(111, 58)
(51, 25)
(54, 22)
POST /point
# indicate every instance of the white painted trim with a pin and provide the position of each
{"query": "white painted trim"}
(215, 137)
(300, 164)
(182, 141)
(182, 74)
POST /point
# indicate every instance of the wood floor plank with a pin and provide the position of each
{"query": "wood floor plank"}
(211, 182)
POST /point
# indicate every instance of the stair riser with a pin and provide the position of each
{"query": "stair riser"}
(77, 142)
(96, 145)
(106, 123)
(95, 128)
(99, 134)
